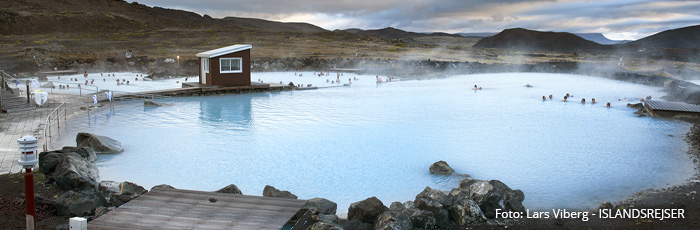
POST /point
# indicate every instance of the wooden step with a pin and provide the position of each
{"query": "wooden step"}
(17, 108)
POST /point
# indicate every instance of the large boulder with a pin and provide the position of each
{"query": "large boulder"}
(232, 188)
(110, 190)
(324, 207)
(354, 225)
(69, 168)
(393, 220)
(436, 202)
(119, 193)
(466, 211)
(162, 186)
(420, 219)
(366, 211)
(325, 226)
(79, 202)
(441, 167)
(320, 222)
(108, 187)
(270, 191)
(131, 189)
(492, 195)
(99, 144)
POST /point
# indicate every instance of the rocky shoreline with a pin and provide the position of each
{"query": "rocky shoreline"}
(71, 169)
(473, 204)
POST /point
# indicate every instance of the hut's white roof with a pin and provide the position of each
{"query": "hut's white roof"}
(224, 50)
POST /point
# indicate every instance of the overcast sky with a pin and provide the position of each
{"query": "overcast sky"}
(618, 20)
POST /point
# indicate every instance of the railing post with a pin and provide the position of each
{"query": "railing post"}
(28, 101)
(2, 76)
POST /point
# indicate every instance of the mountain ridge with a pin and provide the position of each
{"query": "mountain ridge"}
(531, 40)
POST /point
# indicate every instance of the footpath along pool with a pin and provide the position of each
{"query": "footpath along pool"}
(349, 143)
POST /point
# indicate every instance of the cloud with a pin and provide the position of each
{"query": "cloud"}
(633, 17)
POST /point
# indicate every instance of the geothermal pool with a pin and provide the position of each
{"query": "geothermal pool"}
(108, 81)
(349, 143)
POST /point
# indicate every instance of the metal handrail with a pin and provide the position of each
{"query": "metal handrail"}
(55, 115)
(5, 85)
(80, 86)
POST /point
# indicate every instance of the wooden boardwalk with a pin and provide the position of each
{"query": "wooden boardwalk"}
(667, 108)
(187, 209)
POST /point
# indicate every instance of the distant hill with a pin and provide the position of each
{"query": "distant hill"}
(393, 33)
(682, 38)
(594, 37)
(598, 38)
(272, 25)
(87, 16)
(530, 40)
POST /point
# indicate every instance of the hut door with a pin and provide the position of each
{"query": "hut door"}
(205, 70)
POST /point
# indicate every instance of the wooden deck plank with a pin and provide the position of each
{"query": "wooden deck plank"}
(672, 106)
(136, 219)
(184, 210)
(188, 209)
(193, 193)
(220, 201)
(149, 222)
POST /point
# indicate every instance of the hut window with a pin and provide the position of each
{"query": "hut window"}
(230, 65)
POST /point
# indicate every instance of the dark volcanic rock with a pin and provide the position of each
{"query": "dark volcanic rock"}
(69, 168)
(441, 167)
(366, 211)
(131, 189)
(119, 193)
(270, 191)
(109, 187)
(436, 202)
(636, 105)
(232, 188)
(322, 225)
(163, 186)
(492, 195)
(99, 144)
(466, 211)
(393, 220)
(354, 225)
(324, 206)
(153, 103)
(79, 203)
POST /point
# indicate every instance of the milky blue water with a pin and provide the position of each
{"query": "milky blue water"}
(349, 143)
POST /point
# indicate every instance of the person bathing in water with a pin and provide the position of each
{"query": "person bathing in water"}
(475, 87)
(565, 97)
